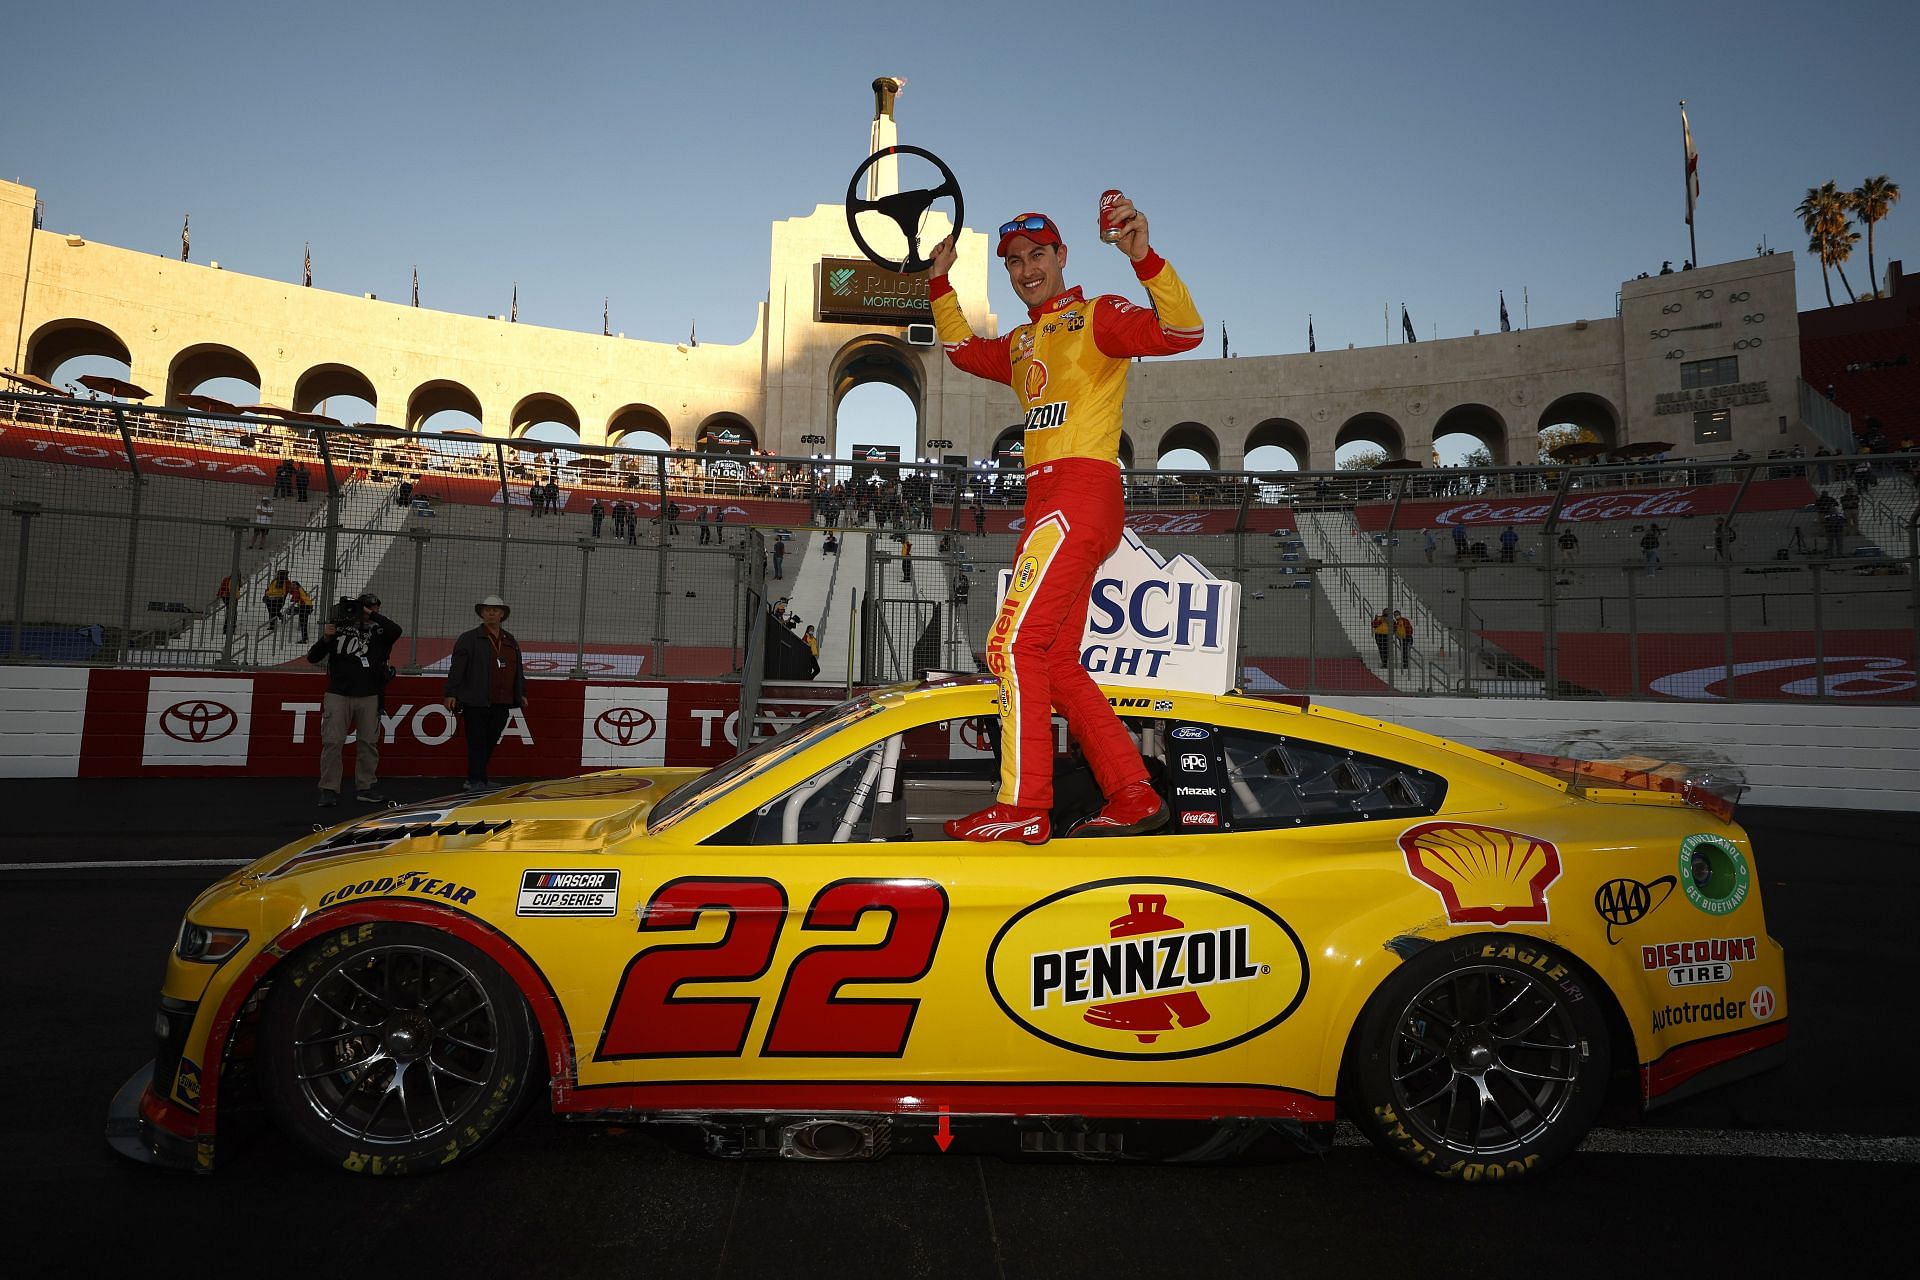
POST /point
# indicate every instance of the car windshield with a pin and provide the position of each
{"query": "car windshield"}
(696, 793)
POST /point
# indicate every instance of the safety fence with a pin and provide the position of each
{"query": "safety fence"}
(159, 539)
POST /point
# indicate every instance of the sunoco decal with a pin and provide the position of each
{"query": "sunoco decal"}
(1149, 969)
(1484, 875)
(568, 893)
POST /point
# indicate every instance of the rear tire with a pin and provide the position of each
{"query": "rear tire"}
(394, 1049)
(1481, 1059)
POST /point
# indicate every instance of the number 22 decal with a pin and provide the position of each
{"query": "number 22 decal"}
(650, 1019)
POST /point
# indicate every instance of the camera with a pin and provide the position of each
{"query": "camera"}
(347, 610)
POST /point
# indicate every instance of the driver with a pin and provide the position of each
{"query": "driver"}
(1069, 368)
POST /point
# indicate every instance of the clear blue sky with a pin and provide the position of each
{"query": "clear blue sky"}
(1293, 158)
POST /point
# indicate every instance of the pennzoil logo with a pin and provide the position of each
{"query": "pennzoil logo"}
(1147, 969)
(1023, 575)
(1484, 875)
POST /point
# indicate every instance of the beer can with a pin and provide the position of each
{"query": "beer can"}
(1109, 230)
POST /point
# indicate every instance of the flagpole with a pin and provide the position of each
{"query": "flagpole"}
(1686, 175)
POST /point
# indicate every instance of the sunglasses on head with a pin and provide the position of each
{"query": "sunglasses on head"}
(1032, 222)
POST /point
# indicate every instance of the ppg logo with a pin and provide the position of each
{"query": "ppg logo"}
(1192, 762)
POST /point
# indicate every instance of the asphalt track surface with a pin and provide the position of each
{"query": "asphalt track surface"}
(1816, 1163)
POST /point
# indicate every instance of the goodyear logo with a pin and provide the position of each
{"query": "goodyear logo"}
(1149, 969)
(840, 280)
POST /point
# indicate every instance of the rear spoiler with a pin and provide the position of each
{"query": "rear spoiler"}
(1621, 779)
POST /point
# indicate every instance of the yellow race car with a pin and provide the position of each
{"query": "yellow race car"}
(784, 956)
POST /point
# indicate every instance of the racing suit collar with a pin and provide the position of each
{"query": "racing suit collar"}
(1052, 305)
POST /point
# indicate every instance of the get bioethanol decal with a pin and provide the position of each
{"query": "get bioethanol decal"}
(1714, 874)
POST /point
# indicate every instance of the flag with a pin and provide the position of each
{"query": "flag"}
(1223, 341)
(605, 330)
(1406, 325)
(1506, 325)
(513, 316)
(693, 325)
(185, 240)
(1693, 162)
(416, 286)
(306, 265)
(1310, 346)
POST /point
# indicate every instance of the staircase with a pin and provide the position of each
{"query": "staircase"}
(1438, 661)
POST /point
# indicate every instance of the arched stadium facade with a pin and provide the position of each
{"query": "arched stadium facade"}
(1705, 360)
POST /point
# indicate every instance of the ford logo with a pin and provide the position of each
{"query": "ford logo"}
(1191, 733)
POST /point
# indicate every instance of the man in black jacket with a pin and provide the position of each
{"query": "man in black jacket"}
(486, 680)
(355, 645)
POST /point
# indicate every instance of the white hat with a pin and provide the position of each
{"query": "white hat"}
(497, 603)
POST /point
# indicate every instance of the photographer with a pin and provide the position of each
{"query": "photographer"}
(355, 644)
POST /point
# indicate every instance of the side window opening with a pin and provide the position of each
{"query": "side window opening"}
(1288, 782)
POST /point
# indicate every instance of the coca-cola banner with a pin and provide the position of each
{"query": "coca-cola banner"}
(578, 497)
(1582, 506)
(1164, 520)
(1874, 666)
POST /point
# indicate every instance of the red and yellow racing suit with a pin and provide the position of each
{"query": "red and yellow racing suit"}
(1069, 368)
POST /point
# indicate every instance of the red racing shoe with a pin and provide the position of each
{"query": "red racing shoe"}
(1132, 810)
(1002, 822)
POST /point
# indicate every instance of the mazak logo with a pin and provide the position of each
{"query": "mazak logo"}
(840, 281)
(198, 721)
(1484, 875)
(1127, 968)
(624, 726)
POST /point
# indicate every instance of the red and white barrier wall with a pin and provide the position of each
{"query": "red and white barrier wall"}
(67, 722)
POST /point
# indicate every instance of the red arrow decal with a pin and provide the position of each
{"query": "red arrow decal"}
(945, 1136)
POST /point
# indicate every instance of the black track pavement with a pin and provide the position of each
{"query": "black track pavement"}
(85, 949)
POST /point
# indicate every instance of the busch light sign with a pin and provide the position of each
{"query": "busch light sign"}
(1155, 622)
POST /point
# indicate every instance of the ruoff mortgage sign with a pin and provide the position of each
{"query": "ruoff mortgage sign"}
(854, 291)
(1158, 623)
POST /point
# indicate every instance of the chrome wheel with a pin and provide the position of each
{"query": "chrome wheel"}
(1485, 1060)
(395, 1045)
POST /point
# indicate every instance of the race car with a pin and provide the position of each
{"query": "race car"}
(784, 956)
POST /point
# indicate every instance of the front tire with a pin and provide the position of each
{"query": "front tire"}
(1481, 1059)
(393, 1049)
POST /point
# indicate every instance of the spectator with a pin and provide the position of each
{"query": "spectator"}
(619, 519)
(832, 544)
(283, 479)
(633, 524)
(779, 559)
(705, 530)
(355, 645)
(1723, 536)
(486, 680)
(1430, 543)
(275, 598)
(262, 523)
(812, 642)
(1569, 544)
(223, 599)
(302, 605)
(599, 513)
(1509, 539)
(537, 500)
(1850, 507)
(301, 479)
(403, 493)
(1459, 541)
(906, 560)
(720, 526)
(1650, 547)
(1383, 637)
(962, 588)
(1403, 632)
(979, 514)
(1835, 525)
(673, 518)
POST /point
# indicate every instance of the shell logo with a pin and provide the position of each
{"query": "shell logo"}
(1147, 969)
(1484, 875)
(1036, 380)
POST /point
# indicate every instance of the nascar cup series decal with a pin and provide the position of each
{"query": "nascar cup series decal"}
(1484, 875)
(568, 893)
(1714, 874)
(1147, 969)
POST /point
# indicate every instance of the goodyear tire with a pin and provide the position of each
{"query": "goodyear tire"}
(1481, 1059)
(393, 1049)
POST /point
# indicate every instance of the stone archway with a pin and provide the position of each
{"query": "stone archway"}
(1483, 424)
(639, 426)
(58, 341)
(206, 362)
(869, 360)
(442, 395)
(1188, 437)
(324, 382)
(1375, 429)
(1285, 435)
(1590, 414)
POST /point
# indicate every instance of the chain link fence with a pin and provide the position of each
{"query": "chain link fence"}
(138, 537)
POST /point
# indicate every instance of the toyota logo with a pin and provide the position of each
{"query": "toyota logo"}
(623, 726)
(198, 721)
(973, 734)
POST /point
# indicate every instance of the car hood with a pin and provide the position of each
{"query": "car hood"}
(572, 815)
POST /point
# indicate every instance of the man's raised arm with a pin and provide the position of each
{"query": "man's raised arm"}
(982, 357)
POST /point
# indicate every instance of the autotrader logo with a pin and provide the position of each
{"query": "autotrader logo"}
(198, 720)
(624, 726)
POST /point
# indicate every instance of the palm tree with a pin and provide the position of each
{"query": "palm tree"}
(1871, 200)
(1830, 234)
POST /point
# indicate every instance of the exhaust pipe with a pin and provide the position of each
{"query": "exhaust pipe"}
(835, 1139)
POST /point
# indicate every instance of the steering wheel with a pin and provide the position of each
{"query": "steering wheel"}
(906, 208)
